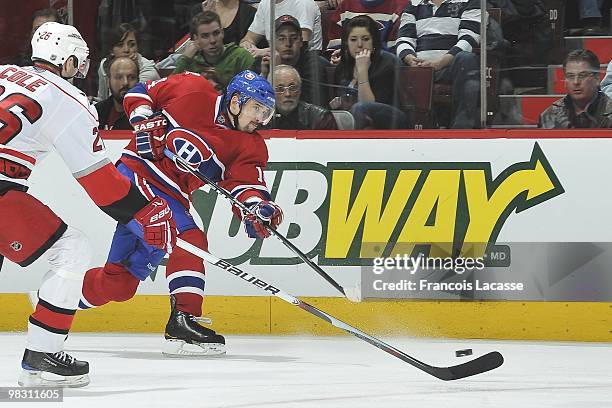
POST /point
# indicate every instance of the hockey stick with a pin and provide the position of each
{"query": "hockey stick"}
(479, 365)
(352, 294)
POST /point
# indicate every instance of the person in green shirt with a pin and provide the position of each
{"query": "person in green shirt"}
(206, 50)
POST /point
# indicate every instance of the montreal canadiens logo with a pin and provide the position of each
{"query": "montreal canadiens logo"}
(190, 147)
(189, 152)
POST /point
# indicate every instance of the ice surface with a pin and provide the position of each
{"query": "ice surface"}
(260, 371)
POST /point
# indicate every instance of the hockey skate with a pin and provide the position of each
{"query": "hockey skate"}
(186, 337)
(53, 370)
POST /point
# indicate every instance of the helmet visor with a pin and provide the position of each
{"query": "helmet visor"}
(83, 68)
(82, 56)
(257, 111)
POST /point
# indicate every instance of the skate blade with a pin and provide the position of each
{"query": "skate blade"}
(30, 378)
(180, 348)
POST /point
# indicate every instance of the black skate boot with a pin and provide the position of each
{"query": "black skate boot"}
(52, 370)
(186, 337)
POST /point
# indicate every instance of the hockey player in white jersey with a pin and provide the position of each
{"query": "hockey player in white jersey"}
(40, 111)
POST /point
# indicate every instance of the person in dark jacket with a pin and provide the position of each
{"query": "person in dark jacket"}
(366, 75)
(585, 105)
(122, 73)
(292, 50)
(291, 112)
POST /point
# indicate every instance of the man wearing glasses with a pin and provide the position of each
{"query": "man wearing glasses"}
(585, 105)
(291, 113)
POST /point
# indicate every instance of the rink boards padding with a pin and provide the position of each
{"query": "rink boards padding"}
(320, 178)
(559, 321)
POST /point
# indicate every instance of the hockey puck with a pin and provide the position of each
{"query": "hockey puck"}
(463, 353)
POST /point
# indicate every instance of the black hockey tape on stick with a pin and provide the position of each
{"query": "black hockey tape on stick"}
(479, 365)
(1, 262)
(352, 294)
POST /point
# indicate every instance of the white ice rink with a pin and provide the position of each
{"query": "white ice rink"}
(129, 371)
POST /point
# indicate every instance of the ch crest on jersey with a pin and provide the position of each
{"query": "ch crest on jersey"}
(189, 146)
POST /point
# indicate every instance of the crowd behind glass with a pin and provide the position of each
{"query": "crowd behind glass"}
(365, 64)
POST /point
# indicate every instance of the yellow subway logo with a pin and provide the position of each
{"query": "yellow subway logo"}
(347, 212)
(442, 204)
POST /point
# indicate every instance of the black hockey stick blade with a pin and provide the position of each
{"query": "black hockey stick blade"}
(479, 365)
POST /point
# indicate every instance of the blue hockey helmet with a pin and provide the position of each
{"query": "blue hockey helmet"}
(249, 85)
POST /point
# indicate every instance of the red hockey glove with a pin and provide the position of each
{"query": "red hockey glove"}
(150, 136)
(267, 211)
(158, 226)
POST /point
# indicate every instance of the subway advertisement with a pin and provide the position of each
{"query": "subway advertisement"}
(403, 218)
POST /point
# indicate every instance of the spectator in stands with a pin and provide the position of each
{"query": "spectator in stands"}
(207, 50)
(123, 42)
(305, 11)
(38, 18)
(606, 83)
(291, 50)
(590, 16)
(387, 13)
(122, 73)
(585, 105)
(236, 17)
(442, 35)
(366, 74)
(291, 113)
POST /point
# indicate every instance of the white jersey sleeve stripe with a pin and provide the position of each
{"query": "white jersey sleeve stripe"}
(138, 95)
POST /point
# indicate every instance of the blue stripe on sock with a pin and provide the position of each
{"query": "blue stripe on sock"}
(186, 281)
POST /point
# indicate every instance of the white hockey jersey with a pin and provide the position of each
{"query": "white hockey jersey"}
(40, 111)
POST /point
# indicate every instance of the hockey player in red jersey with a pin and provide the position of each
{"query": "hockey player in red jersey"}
(216, 135)
(41, 111)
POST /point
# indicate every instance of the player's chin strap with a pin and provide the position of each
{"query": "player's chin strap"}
(353, 294)
(234, 117)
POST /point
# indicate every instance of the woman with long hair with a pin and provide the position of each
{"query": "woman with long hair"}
(123, 42)
(366, 74)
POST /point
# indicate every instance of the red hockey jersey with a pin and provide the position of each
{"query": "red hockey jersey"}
(234, 159)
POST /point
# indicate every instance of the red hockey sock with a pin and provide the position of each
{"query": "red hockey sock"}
(190, 303)
(112, 282)
(52, 318)
(185, 274)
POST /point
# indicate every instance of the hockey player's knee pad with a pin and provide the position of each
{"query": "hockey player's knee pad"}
(70, 256)
(118, 283)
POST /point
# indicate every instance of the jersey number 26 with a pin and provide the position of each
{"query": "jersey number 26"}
(10, 123)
